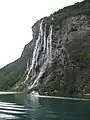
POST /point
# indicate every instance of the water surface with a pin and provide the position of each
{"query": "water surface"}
(19, 106)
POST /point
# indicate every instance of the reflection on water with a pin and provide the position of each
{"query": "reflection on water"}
(34, 101)
(10, 110)
(25, 107)
(7, 117)
(33, 105)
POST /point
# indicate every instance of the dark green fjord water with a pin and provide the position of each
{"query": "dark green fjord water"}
(23, 107)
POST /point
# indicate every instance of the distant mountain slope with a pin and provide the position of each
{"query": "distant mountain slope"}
(13, 72)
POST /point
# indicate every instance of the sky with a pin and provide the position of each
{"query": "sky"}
(16, 20)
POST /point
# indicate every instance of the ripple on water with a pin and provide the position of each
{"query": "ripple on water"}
(10, 111)
(8, 117)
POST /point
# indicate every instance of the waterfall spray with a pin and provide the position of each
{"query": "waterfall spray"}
(42, 56)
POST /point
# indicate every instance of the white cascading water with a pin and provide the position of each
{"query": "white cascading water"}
(27, 65)
(42, 56)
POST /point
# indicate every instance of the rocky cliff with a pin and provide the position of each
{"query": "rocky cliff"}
(57, 60)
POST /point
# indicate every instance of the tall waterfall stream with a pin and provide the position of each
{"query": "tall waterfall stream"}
(42, 56)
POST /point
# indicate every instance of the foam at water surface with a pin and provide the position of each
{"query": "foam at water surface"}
(56, 97)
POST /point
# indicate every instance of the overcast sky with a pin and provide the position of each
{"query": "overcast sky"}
(16, 19)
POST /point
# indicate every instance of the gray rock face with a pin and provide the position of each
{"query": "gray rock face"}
(35, 29)
(28, 49)
(69, 72)
(71, 56)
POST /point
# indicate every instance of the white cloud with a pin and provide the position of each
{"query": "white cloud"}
(16, 19)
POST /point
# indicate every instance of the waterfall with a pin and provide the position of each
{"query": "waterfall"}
(42, 56)
(44, 45)
(27, 65)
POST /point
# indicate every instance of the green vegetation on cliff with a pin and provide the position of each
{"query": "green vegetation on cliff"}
(13, 72)
(70, 11)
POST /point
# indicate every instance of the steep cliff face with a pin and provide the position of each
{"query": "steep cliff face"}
(60, 63)
(57, 60)
(71, 57)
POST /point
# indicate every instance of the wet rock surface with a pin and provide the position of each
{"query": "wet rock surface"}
(69, 72)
